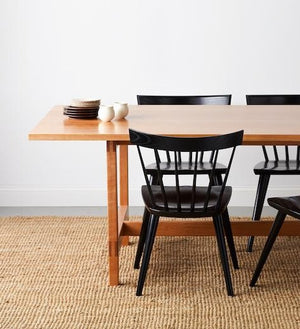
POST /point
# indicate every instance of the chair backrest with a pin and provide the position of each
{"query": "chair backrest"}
(156, 143)
(276, 99)
(273, 99)
(184, 100)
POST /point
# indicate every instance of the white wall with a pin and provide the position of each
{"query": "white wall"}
(53, 51)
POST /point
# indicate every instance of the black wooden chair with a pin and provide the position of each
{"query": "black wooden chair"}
(184, 164)
(285, 206)
(183, 199)
(277, 162)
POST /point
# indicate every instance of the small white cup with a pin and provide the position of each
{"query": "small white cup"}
(121, 110)
(106, 113)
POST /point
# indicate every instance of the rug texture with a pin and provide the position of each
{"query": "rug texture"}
(53, 275)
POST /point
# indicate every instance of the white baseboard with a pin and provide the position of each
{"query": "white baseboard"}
(68, 197)
(72, 197)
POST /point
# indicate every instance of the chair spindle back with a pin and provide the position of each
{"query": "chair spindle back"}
(196, 147)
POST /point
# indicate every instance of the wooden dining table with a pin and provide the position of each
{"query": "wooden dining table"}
(262, 125)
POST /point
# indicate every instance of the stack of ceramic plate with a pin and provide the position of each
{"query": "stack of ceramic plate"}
(83, 109)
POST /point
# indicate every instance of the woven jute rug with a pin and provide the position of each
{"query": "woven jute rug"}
(53, 274)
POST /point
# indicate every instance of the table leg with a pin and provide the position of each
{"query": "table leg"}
(112, 213)
(123, 184)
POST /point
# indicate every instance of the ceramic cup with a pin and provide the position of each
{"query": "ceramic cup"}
(106, 113)
(121, 110)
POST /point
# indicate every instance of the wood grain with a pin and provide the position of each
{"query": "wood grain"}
(206, 228)
(112, 213)
(262, 124)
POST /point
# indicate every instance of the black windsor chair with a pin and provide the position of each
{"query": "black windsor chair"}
(185, 166)
(285, 206)
(280, 163)
(188, 200)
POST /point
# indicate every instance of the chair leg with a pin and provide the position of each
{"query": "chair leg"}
(229, 237)
(151, 232)
(262, 187)
(268, 246)
(218, 224)
(227, 229)
(142, 239)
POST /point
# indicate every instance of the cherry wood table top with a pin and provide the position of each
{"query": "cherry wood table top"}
(262, 124)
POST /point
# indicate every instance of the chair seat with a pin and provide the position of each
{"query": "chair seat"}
(289, 205)
(185, 201)
(168, 168)
(281, 167)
